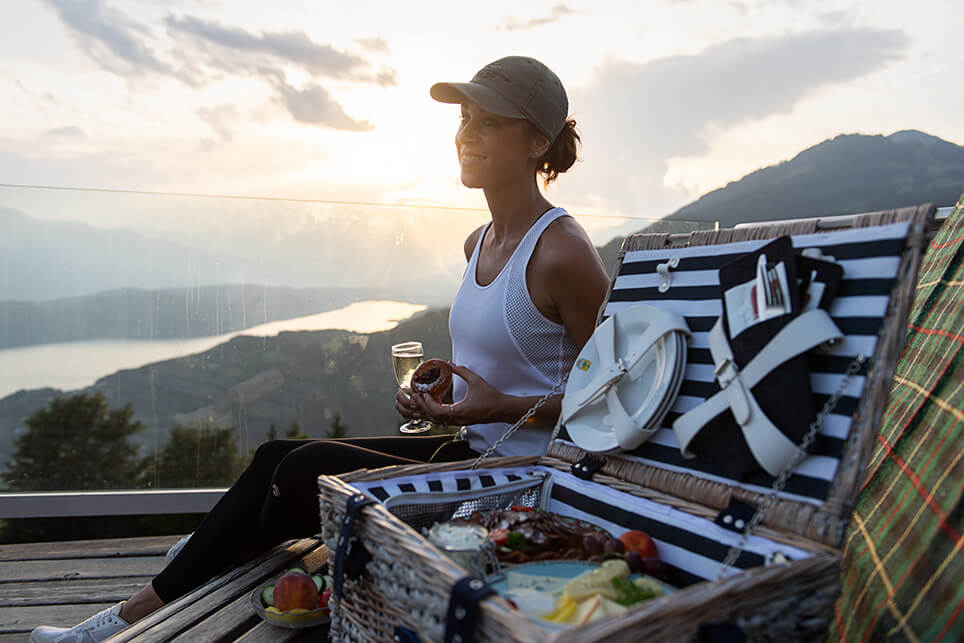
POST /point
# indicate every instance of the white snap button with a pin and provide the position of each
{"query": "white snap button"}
(727, 519)
(739, 524)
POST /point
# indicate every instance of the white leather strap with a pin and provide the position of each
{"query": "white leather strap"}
(771, 448)
(609, 369)
(728, 375)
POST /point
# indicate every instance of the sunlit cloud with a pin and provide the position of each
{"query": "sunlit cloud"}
(375, 45)
(110, 37)
(70, 131)
(221, 119)
(288, 47)
(201, 52)
(314, 105)
(558, 12)
(639, 115)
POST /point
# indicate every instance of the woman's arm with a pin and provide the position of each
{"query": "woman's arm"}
(568, 284)
(405, 404)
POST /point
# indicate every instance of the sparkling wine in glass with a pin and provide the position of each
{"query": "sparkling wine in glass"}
(405, 358)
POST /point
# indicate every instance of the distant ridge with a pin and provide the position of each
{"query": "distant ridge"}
(847, 174)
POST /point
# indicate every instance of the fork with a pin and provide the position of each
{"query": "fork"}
(769, 289)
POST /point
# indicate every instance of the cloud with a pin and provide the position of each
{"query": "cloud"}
(109, 37)
(220, 119)
(314, 105)
(636, 116)
(70, 131)
(287, 46)
(558, 12)
(375, 45)
(201, 51)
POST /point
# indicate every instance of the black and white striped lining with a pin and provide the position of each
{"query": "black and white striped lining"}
(870, 258)
(693, 548)
(446, 482)
(690, 546)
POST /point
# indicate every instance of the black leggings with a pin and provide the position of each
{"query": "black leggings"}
(276, 499)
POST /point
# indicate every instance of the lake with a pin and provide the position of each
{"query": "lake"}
(74, 365)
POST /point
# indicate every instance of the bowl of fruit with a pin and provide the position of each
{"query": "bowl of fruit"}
(296, 599)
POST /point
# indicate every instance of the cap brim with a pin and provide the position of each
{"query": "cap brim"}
(488, 99)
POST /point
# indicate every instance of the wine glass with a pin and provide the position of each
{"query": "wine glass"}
(405, 358)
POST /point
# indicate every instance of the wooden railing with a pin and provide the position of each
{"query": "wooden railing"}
(55, 504)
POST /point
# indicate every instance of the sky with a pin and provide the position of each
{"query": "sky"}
(329, 101)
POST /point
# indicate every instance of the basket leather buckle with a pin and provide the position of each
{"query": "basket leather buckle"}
(587, 467)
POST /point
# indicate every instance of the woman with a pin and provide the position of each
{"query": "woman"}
(527, 303)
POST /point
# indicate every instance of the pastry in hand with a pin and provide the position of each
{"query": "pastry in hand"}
(432, 377)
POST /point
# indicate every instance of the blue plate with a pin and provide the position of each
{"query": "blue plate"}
(534, 587)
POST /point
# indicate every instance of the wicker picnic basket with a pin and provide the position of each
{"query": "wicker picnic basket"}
(776, 582)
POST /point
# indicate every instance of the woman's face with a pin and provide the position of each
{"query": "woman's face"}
(494, 150)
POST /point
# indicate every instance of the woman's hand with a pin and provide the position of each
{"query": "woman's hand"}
(482, 403)
(406, 406)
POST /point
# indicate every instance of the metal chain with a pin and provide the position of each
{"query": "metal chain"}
(528, 414)
(781, 480)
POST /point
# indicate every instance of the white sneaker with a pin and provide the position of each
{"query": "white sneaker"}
(98, 627)
(176, 549)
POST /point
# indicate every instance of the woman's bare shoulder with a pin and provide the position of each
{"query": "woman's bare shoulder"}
(567, 242)
(469, 246)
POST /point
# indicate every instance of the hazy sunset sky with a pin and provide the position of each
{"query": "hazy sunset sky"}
(329, 100)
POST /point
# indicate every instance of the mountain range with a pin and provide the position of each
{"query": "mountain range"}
(43, 259)
(847, 174)
(307, 377)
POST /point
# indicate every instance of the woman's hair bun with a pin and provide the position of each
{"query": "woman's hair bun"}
(561, 154)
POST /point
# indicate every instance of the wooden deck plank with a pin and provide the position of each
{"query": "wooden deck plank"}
(62, 570)
(64, 583)
(100, 590)
(21, 620)
(174, 618)
(237, 616)
(104, 548)
(264, 633)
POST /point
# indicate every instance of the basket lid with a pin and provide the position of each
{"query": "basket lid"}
(879, 253)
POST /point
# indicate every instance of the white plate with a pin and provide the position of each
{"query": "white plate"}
(669, 401)
(647, 391)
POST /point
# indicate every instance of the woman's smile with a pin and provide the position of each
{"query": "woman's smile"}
(469, 157)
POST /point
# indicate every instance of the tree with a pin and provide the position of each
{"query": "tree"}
(294, 432)
(195, 456)
(76, 443)
(337, 428)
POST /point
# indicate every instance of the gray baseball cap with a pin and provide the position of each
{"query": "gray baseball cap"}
(514, 87)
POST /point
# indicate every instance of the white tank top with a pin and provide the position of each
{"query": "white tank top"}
(498, 332)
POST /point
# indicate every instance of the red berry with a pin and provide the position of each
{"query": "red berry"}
(323, 599)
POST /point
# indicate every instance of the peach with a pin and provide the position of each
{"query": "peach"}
(639, 542)
(295, 590)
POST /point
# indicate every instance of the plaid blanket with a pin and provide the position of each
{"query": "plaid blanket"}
(902, 573)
